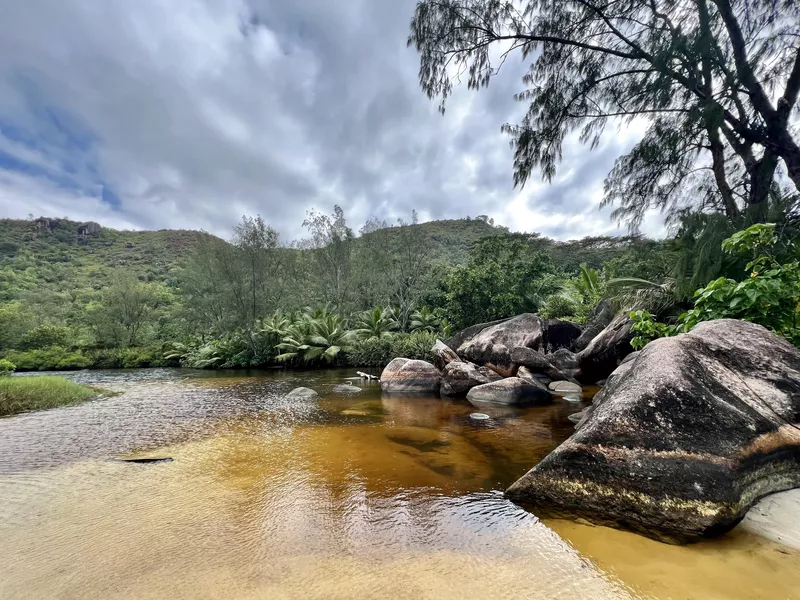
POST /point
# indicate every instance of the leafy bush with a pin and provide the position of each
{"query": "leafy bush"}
(45, 336)
(6, 367)
(380, 352)
(770, 296)
(558, 306)
(49, 359)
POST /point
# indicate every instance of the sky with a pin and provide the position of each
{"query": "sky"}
(152, 114)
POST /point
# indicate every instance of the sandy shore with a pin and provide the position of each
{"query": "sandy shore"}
(776, 517)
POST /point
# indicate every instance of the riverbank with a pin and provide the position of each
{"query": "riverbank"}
(21, 394)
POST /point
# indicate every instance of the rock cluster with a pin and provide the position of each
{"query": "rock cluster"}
(528, 348)
(684, 438)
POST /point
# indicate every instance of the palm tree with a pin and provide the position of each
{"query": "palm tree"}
(632, 293)
(376, 323)
(424, 319)
(316, 339)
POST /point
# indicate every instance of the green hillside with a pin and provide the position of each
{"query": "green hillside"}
(80, 294)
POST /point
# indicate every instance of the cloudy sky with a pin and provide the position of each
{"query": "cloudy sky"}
(149, 114)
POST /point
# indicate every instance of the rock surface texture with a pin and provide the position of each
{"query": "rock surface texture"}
(491, 346)
(443, 355)
(407, 376)
(606, 351)
(681, 444)
(459, 377)
(511, 391)
(601, 316)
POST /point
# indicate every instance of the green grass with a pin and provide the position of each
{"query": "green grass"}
(20, 394)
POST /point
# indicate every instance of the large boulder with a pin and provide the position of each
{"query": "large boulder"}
(601, 316)
(443, 355)
(491, 346)
(559, 334)
(683, 440)
(606, 351)
(536, 362)
(459, 377)
(512, 391)
(407, 376)
(565, 361)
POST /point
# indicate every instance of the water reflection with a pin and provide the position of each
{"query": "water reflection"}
(340, 497)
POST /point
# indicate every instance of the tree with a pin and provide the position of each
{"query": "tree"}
(501, 279)
(331, 240)
(128, 306)
(257, 242)
(715, 80)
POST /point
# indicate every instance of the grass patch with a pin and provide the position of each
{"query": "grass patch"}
(20, 394)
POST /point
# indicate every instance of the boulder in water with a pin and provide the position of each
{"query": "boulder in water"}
(407, 376)
(302, 393)
(346, 388)
(443, 355)
(511, 391)
(460, 377)
(536, 363)
(564, 387)
(491, 346)
(681, 443)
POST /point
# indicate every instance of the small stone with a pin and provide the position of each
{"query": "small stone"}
(478, 416)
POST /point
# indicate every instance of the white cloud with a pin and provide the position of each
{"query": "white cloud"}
(194, 112)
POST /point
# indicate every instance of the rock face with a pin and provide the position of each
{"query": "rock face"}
(681, 443)
(460, 377)
(407, 376)
(302, 393)
(559, 334)
(443, 355)
(491, 346)
(536, 363)
(511, 391)
(601, 316)
(606, 351)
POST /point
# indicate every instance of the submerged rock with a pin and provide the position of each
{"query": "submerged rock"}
(512, 391)
(606, 351)
(302, 393)
(460, 377)
(346, 388)
(679, 447)
(443, 355)
(404, 375)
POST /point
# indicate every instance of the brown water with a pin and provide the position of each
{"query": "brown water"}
(345, 497)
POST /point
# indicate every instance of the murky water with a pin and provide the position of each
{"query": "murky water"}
(343, 497)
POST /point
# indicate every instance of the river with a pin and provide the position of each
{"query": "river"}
(348, 496)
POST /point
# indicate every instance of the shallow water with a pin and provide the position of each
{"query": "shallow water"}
(347, 496)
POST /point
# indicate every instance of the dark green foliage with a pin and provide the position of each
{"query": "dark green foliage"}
(379, 352)
(769, 296)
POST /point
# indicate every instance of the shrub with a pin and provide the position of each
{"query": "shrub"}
(380, 352)
(6, 367)
(50, 359)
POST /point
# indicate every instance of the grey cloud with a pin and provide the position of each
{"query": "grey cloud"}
(203, 110)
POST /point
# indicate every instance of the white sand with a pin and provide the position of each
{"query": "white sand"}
(776, 517)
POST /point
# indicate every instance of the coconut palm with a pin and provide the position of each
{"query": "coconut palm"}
(375, 324)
